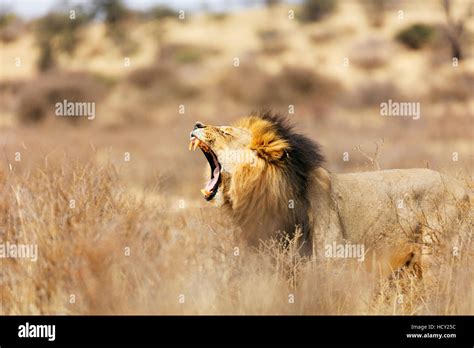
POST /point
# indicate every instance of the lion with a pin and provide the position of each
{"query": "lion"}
(271, 179)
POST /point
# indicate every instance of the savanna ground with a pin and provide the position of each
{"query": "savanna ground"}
(113, 203)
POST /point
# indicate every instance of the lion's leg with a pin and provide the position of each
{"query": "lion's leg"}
(439, 244)
(398, 286)
(428, 267)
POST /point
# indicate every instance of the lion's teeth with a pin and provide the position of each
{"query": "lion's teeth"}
(205, 192)
(196, 144)
(190, 145)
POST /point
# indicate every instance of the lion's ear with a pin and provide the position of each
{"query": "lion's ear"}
(269, 146)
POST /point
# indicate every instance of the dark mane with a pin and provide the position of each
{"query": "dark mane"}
(302, 157)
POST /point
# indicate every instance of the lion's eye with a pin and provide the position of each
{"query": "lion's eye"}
(225, 133)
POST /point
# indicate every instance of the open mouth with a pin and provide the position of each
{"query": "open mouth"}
(210, 190)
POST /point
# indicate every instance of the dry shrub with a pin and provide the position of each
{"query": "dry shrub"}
(146, 77)
(160, 12)
(161, 81)
(254, 87)
(273, 42)
(81, 248)
(316, 10)
(293, 84)
(37, 100)
(373, 92)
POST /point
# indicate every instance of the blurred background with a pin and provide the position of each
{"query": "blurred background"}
(153, 68)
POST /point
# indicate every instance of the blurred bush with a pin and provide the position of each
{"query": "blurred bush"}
(272, 41)
(58, 31)
(416, 36)
(160, 12)
(373, 92)
(6, 17)
(161, 81)
(146, 77)
(11, 27)
(297, 83)
(257, 88)
(270, 3)
(37, 100)
(315, 10)
(112, 11)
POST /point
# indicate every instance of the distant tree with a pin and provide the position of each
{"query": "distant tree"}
(58, 30)
(112, 11)
(11, 26)
(454, 28)
(114, 14)
(315, 10)
(160, 12)
(270, 3)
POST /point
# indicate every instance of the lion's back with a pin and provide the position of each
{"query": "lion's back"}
(391, 202)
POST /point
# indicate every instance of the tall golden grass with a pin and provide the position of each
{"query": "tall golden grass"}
(116, 252)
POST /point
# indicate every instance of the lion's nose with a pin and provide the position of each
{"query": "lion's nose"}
(198, 125)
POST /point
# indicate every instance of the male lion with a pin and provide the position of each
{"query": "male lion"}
(271, 179)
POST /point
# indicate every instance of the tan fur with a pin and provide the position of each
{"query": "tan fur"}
(402, 217)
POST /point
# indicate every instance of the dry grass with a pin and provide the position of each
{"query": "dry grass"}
(173, 252)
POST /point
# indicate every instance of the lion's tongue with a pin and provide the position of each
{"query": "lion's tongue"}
(215, 176)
